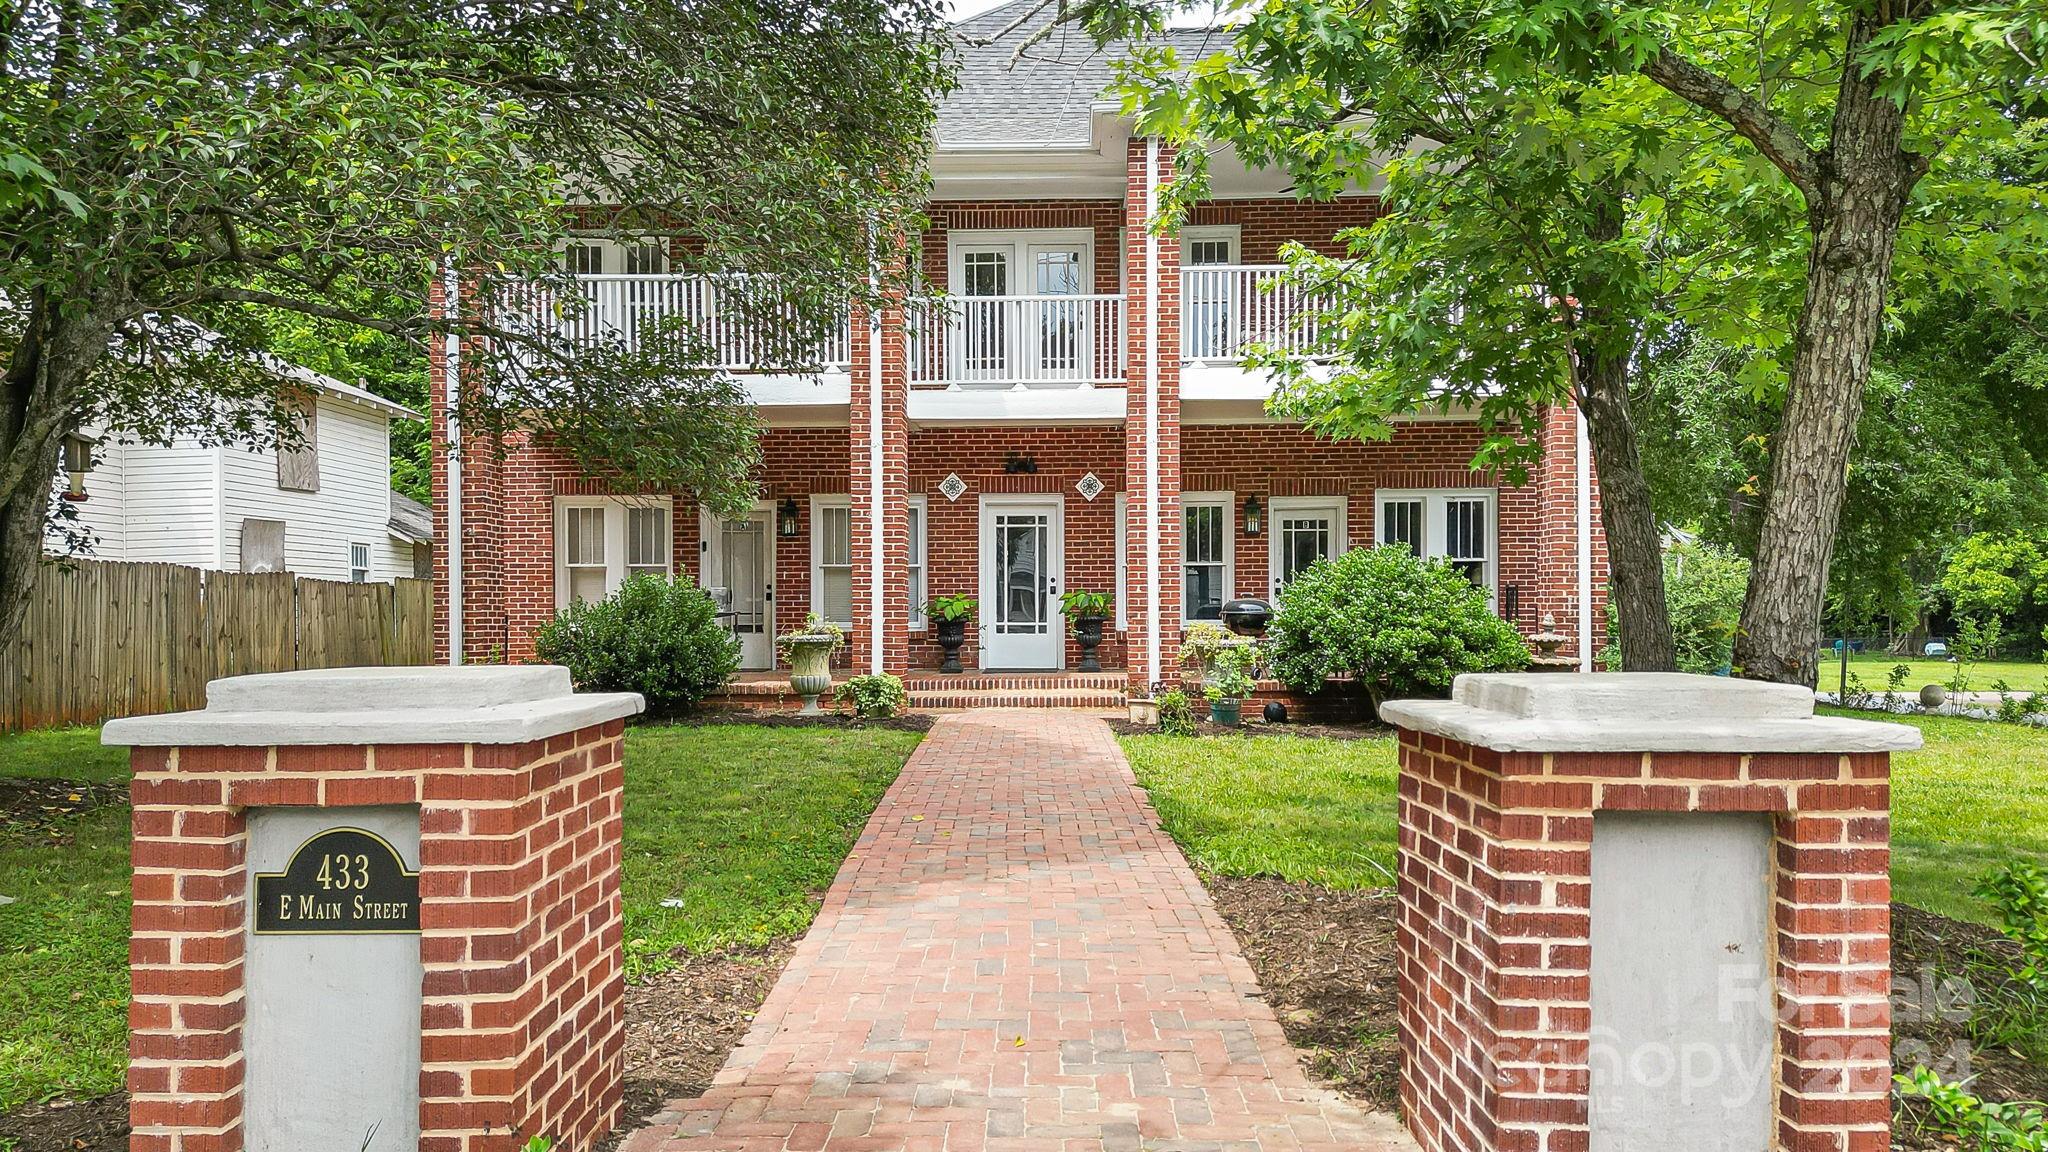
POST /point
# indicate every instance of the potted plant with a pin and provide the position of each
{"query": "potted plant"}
(809, 651)
(1228, 683)
(1087, 610)
(1205, 643)
(949, 616)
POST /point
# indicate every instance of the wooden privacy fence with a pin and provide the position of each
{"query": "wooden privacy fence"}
(106, 639)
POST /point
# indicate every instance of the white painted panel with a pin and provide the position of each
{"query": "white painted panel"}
(1682, 1021)
(169, 503)
(332, 1041)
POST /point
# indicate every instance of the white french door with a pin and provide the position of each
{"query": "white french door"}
(1302, 530)
(1021, 566)
(739, 572)
(1022, 310)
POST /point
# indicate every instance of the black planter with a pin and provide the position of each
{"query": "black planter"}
(952, 633)
(1088, 630)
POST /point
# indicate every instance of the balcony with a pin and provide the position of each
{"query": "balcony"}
(1226, 308)
(1015, 342)
(741, 332)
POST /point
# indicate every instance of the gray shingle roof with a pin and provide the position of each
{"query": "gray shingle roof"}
(1042, 97)
(411, 520)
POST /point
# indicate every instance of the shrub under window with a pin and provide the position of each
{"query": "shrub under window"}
(655, 636)
(1401, 626)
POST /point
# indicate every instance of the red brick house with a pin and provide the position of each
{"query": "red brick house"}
(1075, 417)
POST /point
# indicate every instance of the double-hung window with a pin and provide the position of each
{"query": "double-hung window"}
(1453, 524)
(1206, 546)
(832, 559)
(601, 540)
(916, 561)
(359, 563)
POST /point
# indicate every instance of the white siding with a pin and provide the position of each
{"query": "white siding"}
(353, 504)
(103, 513)
(169, 499)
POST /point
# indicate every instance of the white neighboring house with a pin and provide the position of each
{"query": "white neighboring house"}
(325, 510)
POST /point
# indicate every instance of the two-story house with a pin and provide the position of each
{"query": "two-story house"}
(1075, 415)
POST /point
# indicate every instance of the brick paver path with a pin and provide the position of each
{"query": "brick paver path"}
(1015, 958)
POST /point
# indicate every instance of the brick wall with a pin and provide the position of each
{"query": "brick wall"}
(1265, 223)
(523, 1014)
(1495, 892)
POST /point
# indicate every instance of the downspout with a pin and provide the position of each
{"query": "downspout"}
(1151, 412)
(453, 359)
(1582, 463)
(877, 498)
(220, 508)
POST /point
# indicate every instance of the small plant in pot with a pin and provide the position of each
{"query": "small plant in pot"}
(1204, 643)
(949, 616)
(1229, 681)
(1088, 610)
(809, 651)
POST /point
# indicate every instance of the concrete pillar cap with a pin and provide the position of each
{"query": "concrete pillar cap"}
(472, 704)
(1639, 712)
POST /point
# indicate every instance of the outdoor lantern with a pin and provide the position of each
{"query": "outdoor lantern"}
(787, 518)
(1254, 516)
(77, 462)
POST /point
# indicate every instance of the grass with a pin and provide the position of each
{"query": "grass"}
(2020, 675)
(1315, 810)
(1323, 810)
(743, 825)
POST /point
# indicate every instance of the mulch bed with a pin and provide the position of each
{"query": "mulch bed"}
(35, 805)
(1251, 729)
(912, 722)
(680, 1025)
(1328, 963)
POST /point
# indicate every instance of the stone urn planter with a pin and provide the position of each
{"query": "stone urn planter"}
(950, 616)
(1088, 633)
(809, 652)
(1087, 610)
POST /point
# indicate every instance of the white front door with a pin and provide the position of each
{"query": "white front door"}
(739, 572)
(1302, 530)
(1021, 625)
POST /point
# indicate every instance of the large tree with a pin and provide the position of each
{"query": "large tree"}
(184, 187)
(1766, 165)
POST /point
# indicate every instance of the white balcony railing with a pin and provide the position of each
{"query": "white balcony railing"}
(1226, 307)
(1015, 341)
(744, 335)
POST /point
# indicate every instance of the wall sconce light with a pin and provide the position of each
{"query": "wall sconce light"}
(1511, 602)
(788, 518)
(77, 462)
(1254, 516)
(1019, 464)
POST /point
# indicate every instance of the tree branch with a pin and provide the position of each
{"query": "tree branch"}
(1745, 113)
(230, 295)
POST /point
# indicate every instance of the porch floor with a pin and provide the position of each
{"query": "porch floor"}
(931, 691)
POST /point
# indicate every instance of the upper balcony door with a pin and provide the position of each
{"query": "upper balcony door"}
(1022, 311)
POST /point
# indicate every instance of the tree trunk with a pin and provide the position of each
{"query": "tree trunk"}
(39, 398)
(1853, 219)
(1635, 556)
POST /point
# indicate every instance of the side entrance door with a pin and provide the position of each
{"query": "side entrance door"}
(1304, 529)
(1021, 561)
(739, 572)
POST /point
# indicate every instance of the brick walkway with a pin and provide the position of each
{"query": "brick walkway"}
(1015, 959)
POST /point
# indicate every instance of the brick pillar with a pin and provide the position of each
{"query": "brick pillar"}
(1559, 586)
(485, 637)
(1504, 1042)
(517, 791)
(878, 442)
(1152, 475)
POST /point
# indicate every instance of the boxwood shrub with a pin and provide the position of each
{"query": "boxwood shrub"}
(655, 636)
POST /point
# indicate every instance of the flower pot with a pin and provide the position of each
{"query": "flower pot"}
(810, 670)
(952, 634)
(1144, 711)
(1224, 712)
(1088, 630)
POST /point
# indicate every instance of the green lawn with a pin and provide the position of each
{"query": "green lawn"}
(2020, 675)
(1323, 810)
(743, 824)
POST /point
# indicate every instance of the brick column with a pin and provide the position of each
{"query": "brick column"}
(485, 638)
(1152, 473)
(518, 797)
(1500, 792)
(1558, 590)
(878, 473)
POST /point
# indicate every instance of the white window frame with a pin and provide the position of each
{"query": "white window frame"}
(1434, 502)
(666, 536)
(1020, 243)
(919, 559)
(358, 573)
(1226, 501)
(1231, 234)
(1123, 512)
(1339, 510)
(818, 504)
(615, 525)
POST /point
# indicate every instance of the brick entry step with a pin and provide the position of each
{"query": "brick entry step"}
(1016, 959)
(931, 692)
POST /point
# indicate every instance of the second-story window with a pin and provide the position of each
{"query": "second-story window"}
(584, 259)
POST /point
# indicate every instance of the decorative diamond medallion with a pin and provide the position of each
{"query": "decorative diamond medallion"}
(1088, 486)
(952, 487)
